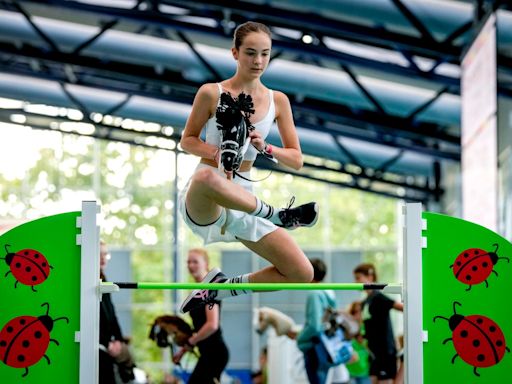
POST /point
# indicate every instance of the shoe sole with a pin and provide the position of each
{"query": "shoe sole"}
(316, 216)
(210, 275)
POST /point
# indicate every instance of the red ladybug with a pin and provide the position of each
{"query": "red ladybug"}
(474, 265)
(25, 339)
(28, 266)
(478, 340)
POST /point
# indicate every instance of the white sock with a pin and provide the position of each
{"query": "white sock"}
(266, 211)
(223, 293)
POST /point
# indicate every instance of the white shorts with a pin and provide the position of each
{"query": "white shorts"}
(240, 225)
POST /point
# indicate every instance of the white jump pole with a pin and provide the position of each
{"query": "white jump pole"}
(413, 295)
(90, 295)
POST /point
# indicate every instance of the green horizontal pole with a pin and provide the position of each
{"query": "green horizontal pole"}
(259, 286)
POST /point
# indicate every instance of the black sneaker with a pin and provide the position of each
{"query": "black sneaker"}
(305, 215)
(201, 297)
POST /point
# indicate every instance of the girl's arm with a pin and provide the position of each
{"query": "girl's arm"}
(290, 154)
(202, 109)
(210, 327)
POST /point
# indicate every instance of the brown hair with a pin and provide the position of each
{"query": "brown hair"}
(355, 307)
(246, 28)
(201, 251)
(367, 269)
(319, 269)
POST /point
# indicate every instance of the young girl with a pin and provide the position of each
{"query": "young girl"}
(359, 367)
(218, 203)
(378, 328)
(208, 335)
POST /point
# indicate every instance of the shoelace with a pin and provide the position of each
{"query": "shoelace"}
(290, 218)
(292, 200)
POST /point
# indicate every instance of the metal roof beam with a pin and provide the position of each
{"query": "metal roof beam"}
(216, 75)
(333, 28)
(363, 90)
(321, 24)
(134, 79)
(413, 19)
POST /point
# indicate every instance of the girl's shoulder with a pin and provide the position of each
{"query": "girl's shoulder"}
(280, 97)
(281, 102)
(209, 89)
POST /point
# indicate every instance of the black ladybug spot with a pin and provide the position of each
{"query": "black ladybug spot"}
(9, 329)
(464, 334)
(458, 263)
(25, 343)
(485, 264)
(476, 343)
(36, 256)
(466, 255)
(28, 269)
(34, 278)
(44, 265)
(468, 277)
(38, 335)
(23, 321)
(499, 343)
(3, 343)
(477, 253)
(21, 358)
(480, 358)
(17, 265)
(492, 328)
(26, 253)
(479, 320)
(474, 268)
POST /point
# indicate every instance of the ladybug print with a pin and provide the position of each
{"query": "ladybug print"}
(25, 339)
(477, 339)
(28, 266)
(474, 265)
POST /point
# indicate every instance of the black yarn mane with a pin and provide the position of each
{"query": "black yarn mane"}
(231, 111)
(234, 124)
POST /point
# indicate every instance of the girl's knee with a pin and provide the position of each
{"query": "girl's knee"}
(206, 177)
(304, 274)
(308, 273)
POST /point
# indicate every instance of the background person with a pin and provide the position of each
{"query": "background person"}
(214, 354)
(359, 366)
(378, 328)
(115, 360)
(316, 303)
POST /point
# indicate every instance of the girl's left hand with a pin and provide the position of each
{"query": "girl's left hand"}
(256, 140)
(114, 348)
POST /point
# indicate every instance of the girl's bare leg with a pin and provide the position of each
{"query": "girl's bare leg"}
(209, 192)
(207, 195)
(289, 263)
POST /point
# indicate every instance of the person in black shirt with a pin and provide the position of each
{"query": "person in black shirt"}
(378, 327)
(114, 353)
(214, 354)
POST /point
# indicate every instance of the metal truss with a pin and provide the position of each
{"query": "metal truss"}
(374, 125)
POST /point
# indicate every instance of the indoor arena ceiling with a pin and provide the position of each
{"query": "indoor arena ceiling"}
(374, 84)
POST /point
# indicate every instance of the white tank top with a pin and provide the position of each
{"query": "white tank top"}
(262, 126)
